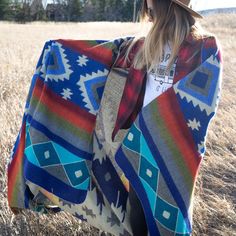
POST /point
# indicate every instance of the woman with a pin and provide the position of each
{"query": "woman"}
(114, 131)
(173, 22)
(171, 50)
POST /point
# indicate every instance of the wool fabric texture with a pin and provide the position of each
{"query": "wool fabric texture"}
(86, 140)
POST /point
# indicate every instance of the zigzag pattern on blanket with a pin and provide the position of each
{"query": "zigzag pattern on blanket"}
(62, 102)
(64, 159)
(169, 162)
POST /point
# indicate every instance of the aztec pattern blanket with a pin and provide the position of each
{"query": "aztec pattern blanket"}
(69, 154)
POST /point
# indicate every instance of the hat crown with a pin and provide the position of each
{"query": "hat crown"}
(186, 2)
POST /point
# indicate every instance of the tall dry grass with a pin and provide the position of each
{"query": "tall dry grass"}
(215, 195)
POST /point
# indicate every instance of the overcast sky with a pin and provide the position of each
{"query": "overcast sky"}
(211, 4)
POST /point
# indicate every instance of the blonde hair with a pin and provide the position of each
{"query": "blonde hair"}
(170, 23)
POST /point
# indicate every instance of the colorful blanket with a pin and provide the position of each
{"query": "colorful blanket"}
(63, 160)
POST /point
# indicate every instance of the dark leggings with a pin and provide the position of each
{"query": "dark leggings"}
(137, 218)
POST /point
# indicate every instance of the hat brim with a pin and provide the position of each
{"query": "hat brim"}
(194, 13)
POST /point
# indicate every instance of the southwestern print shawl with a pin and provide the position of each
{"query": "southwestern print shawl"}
(63, 160)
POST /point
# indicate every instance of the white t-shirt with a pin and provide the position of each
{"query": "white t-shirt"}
(157, 82)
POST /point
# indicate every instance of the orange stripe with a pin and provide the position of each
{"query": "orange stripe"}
(65, 109)
(172, 116)
(15, 167)
(96, 52)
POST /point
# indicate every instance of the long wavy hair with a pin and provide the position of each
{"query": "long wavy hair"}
(170, 23)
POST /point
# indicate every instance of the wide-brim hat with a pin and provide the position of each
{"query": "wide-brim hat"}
(186, 4)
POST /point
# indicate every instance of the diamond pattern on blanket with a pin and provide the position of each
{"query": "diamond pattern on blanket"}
(58, 146)
(170, 217)
(149, 173)
(92, 87)
(199, 87)
(201, 82)
(46, 154)
(58, 68)
(166, 214)
(77, 172)
(145, 152)
(133, 139)
(58, 161)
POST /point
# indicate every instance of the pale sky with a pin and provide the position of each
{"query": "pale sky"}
(211, 4)
(201, 4)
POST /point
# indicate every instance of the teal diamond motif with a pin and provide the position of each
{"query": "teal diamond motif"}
(149, 173)
(46, 154)
(166, 214)
(77, 172)
(132, 139)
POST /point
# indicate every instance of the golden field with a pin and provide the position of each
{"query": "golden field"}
(215, 194)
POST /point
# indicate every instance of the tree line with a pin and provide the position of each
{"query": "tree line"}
(69, 10)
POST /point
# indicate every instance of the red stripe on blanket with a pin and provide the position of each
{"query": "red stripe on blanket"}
(172, 115)
(96, 52)
(14, 169)
(65, 109)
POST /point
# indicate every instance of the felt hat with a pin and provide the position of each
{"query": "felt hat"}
(186, 4)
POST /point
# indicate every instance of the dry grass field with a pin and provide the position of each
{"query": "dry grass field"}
(215, 195)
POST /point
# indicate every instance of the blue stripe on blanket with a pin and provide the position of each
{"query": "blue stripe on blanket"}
(43, 179)
(168, 179)
(59, 140)
(121, 159)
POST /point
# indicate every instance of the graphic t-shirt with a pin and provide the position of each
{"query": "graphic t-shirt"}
(157, 80)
